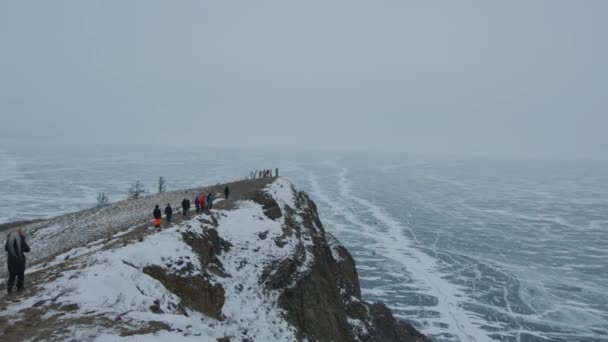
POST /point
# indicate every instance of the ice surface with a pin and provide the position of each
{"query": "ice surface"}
(467, 249)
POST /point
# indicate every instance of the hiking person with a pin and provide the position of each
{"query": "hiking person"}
(226, 192)
(185, 207)
(260, 174)
(210, 200)
(15, 248)
(203, 202)
(276, 172)
(197, 204)
(157, 216)
(168, 212)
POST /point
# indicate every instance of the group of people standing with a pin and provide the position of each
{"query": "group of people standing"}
(203, 203)
(267, 173)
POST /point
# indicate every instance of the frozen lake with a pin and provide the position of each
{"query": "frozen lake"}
(466, 249)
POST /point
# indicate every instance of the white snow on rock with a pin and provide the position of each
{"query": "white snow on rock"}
(110, 283)
(283, 191)
(248, 305)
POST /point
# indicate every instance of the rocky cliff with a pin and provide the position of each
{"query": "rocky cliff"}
(260, 267)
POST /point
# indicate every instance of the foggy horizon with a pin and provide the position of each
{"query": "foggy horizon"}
(516, 80)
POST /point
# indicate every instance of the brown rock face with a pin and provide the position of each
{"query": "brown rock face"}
(387, 328)
(195, 292)
(208, 246)
(269, 205)
(320, 301)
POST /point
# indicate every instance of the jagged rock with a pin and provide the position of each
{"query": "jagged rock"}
(195, 292)
(208, 246)
(155, 308)
(323, 298)
(280, 241)
(263, 235)
(387, 328)
(269, 205)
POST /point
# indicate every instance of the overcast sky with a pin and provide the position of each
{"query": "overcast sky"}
(512, 78)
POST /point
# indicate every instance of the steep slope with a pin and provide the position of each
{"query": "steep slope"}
(261, 268)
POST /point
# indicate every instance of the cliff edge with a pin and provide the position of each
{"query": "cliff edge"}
(259, 267)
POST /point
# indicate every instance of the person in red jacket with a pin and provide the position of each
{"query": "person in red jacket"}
(203, 203)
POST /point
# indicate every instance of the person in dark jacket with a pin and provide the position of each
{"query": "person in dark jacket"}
(197, 204)
(226, 191)
(168, 212)
(210, 200)
(15, 248)
(276, 172)
(157, 216)
(185, 207)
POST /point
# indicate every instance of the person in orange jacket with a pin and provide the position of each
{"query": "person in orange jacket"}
(157, 216)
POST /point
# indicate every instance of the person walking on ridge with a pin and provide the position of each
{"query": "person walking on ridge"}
(226, 192)
(210, 200)
(203, 203)
(15, 248)
(157, 216)
(197, 204)
(276, 172)
(185, 206)
(168, 212)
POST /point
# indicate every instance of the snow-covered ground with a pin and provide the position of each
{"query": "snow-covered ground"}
(68, 231)
(110, 283)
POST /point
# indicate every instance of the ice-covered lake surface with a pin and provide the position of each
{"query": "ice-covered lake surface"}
(466, 249)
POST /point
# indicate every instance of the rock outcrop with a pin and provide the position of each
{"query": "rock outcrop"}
(324, 301)
(262, 268)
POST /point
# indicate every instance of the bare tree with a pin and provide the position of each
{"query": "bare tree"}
(102, 200)
(161, 185)
(137, 190)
